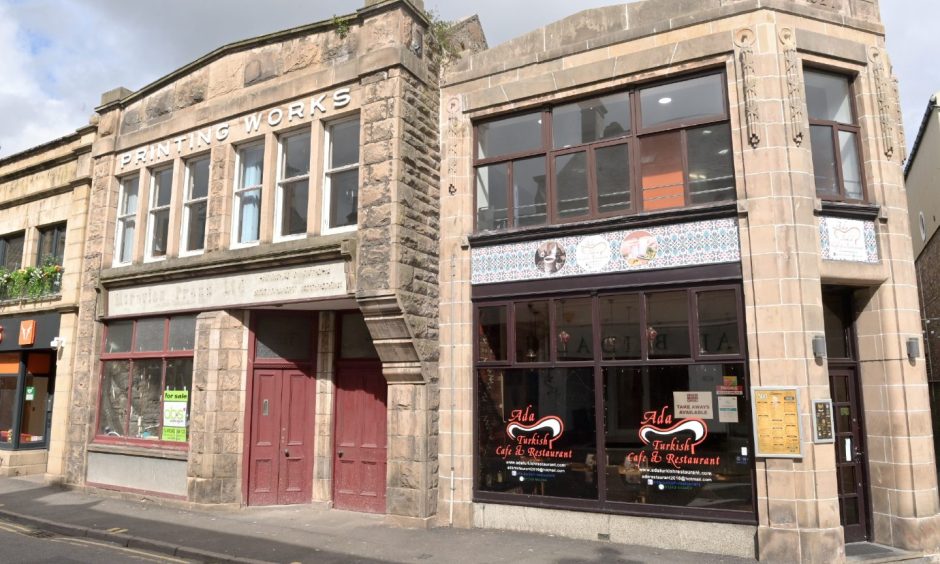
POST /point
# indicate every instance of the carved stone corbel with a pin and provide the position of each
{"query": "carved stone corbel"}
(744, 40)
(795, 98)
(886, 113)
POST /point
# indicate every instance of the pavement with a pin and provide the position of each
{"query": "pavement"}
(296, 533)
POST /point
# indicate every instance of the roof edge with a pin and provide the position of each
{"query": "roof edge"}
(932, 105)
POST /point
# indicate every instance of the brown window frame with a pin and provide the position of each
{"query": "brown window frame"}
(835, 127)
(603, 503)
(633, 138)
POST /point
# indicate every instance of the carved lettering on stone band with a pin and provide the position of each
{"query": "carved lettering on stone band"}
(744, 39)
(794, 85)
(886, 112)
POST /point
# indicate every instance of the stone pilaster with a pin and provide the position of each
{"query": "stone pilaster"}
(326, 390)
(216, 441)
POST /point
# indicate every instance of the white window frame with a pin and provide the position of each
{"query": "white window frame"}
(239, 190)
(125, 218)
(188, 203)
(283, 182)
(153, 209)
(325, 228)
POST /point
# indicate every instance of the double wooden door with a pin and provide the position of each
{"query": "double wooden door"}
(360, 453)
(280, 468)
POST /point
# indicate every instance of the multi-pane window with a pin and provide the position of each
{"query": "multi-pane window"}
(341, 177)
(195, 203)
(51, 244)
(632, 401)
(293, 187)
(158, 224)
(11, 251)
(147, 364)
(247, 220)
(126, 220)
(834, 136)
(657, 147)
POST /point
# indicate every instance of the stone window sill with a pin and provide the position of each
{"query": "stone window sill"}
(148, 452)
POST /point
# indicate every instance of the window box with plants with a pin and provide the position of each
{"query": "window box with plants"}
(31, 282)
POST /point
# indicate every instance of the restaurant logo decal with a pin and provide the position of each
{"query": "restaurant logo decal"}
(670, 462)
(530, 453)
(848, 240)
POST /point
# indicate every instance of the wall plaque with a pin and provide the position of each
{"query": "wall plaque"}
(777, 425)
(823, 431)
(293, 284)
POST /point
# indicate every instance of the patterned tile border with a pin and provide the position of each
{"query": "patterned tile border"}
(669, 246)
(848, 240)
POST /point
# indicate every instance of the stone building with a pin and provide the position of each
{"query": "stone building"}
(259, 308)
(678, 299)
(43, 208)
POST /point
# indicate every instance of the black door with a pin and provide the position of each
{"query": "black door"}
(851, 458)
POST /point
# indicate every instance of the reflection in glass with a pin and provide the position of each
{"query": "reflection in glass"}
(667, 317)
(613, 178)
(146, 399)
(7, 401)
(620, 327)
(851, 169)
(827, 97)
(716, 475)
(492, 197)
(559, 461)
(112, 416)
(344, 144)
(344, 198)
(574, 339)
(532, 344)
(286, 337)
(661, 172)
(294, 207)
(119, 336)
(591, 120)
(150, 334)
(33, 424)
(492, 333)
(718, 322)
(196, 226)
(711, 164)
(511, 135)
(182, 333)
(571, 185)
(529, 203)
(824, 160)
(296, 155)
(683, 101)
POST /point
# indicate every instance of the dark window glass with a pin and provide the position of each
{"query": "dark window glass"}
(707, 465)
(571, 185)
(119, 337)
(297, 155)
(150, 333)
(661, 171)
(612, 170)
(684, 101)
(620, 327)
(574, 330)
(196, 232)
(511, 135)
(294, 207)
(344, 198)
(711, 164)
(146, 399)
(537, 432)
(112, 417)
(851, 169)
(355, 338)
(344, 143)
(182, 333)
(718, 322)
(591, 120)
(532, 344)
(11, 251)
(286, 337)
(198, 179)
(492, 197)
(824, 160)
(667, 317)
(833, 136)
(7, 402)
(51, 245)
(492, 342)
(529, 190)
(828, 97)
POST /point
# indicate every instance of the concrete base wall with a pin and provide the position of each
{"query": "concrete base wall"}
(137, 473)
(23, 462)
(712, 538)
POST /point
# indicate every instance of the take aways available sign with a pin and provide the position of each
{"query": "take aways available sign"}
(174, 415)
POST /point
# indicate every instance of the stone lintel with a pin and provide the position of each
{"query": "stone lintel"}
(828, 46)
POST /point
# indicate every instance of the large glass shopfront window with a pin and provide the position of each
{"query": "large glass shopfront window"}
(633, 402)
(26, 389)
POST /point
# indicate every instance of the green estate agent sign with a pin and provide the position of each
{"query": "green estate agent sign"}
(174, 415)
(30, 393)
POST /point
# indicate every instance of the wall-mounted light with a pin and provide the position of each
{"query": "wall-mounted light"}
(913, 348)
(819, 347)
(57, 343)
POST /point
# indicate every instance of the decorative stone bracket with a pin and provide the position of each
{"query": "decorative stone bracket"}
(744, 40)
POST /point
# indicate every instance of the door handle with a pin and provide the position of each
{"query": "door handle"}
(339, 454)
(286, 452)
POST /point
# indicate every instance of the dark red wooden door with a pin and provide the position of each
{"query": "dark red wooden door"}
(360, 453)
(281, 457)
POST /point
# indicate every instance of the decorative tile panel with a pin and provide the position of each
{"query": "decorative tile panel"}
(654, 248)
(848, 240)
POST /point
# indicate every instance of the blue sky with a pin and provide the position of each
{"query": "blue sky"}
(58, 56)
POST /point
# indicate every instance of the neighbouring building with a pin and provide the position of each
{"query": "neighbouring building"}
(678, 298)
(923, 198)
(43, 209)
(259, 305)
